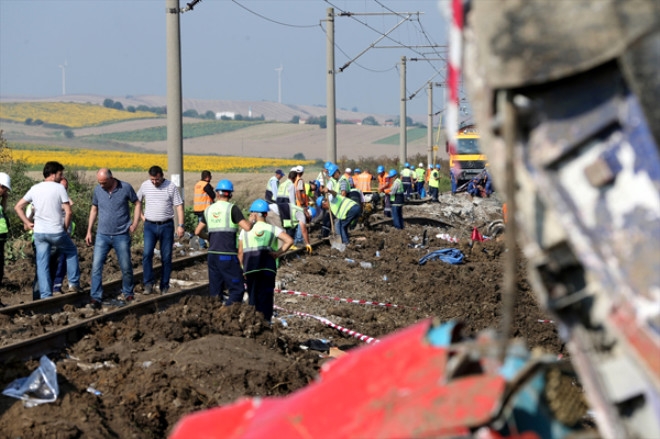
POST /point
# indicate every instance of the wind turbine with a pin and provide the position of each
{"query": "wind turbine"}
(279, 83)
(63, 67)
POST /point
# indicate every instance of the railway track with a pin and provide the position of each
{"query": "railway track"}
(54, 340)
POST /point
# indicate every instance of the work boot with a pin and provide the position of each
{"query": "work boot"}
(95, 304)
(148, 289)
(164, 290)
(75, 289)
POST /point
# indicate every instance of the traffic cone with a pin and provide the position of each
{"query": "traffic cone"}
(476, 235)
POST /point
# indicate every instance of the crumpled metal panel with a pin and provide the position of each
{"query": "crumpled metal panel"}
(392, 389)
(524, 42)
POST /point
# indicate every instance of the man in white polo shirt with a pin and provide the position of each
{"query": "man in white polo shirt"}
(162, 199)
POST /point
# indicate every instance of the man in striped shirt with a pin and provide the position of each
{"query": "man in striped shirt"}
(162, 199)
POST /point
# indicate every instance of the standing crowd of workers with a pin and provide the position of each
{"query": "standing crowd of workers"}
(241, 252)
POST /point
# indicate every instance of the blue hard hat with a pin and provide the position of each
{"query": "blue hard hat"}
(438, 166)
(224, 185)
(319, 201)
(312, 211)
(316, 182)
(381, 168)
(259, 206)
(407, 165)
(327, 165)
(356, 170)
(392, 173)
(332, 169)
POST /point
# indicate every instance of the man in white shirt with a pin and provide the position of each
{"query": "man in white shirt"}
(50, 227)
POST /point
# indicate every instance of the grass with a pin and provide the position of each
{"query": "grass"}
(191, 130)
(412, 134)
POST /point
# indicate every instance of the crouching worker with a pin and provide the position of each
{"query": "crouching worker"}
(343, 209)
(258, 250)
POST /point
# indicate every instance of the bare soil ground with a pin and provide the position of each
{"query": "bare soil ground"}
(152, 370)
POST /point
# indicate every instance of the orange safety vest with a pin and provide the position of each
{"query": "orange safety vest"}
(301, 197)
(201, 199)
(384, 184)
(363, 182)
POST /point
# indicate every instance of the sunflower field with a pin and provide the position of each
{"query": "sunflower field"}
(68, 114)
(78, 159)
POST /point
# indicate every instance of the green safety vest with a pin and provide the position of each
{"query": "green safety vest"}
(292, 222)
(259, 242)
(218, 220)
(340, 206)
(3, 222)
(434, 181)
(283, 190)
(397, 197)
(420, 174)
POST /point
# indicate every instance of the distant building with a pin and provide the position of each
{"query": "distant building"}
(225, 114)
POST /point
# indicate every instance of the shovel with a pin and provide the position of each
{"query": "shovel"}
(335, 240)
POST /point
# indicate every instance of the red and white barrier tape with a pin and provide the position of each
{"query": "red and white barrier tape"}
(454, 75)
(361, 337)
(447, 237)
(341, 299)
(545, 321)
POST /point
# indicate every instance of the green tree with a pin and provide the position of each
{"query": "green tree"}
(209, 115)
(299, 156)
(323, 122)
(130, 109)
(190, 113)
(295, 120)
(118, 106)
(370, 120)
(238, 117)
(29, 121)
(108, 103)
(69, 134)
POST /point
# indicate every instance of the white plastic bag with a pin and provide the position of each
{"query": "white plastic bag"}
(39, 388)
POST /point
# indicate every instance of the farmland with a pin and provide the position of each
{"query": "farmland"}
(36, 155)
(69, 115)
(278, 140)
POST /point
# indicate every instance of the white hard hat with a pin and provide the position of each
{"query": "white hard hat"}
(5, 180)
(348, 170)
(421, 165)
(300, 169)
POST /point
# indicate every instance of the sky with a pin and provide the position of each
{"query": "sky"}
(230, 50)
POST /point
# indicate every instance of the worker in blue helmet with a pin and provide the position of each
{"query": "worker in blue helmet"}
(332, 184)
(222, 220)
(258, 250)
(397, 199)
(434, 183)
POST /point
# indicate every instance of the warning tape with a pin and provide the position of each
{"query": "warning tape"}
(545, 321)
(361, 337)
(341, 299)
(447, 237)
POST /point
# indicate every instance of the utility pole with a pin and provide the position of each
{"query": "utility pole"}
(331, 119)
(403, 138)
(174, 102)
(279, 83)
(429, 133)
(63, 67)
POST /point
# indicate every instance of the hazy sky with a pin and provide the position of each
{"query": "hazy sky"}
(230, 50)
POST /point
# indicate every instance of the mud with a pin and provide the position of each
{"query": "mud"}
(153, 369)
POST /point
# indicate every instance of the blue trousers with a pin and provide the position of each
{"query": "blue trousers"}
(152, 234)
(397, 216)
(44, 243)
(261, 289)
(344, 224)
(225, 272)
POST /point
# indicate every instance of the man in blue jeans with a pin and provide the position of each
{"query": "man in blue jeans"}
(163, 198)
(343, 209)
(50, 199)
(110, 204)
